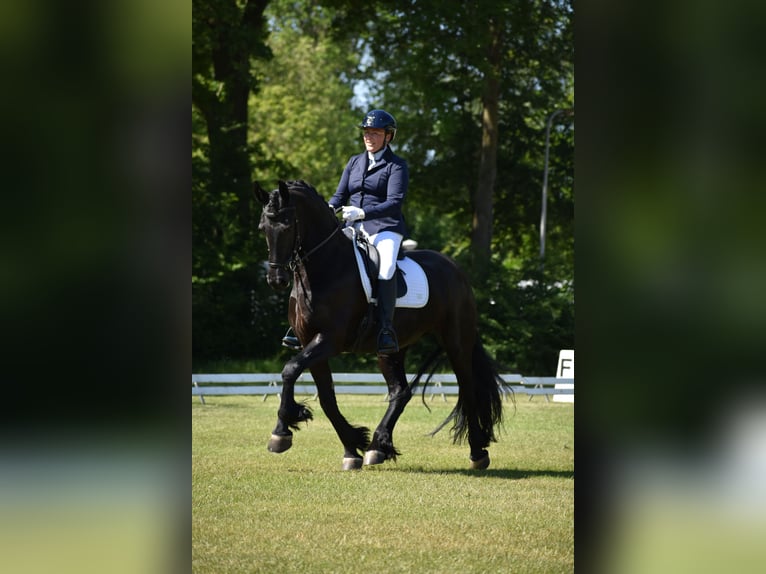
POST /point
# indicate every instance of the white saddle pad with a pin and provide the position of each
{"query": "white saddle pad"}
(417, 282)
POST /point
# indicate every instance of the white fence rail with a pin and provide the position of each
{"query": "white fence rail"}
(360, 383)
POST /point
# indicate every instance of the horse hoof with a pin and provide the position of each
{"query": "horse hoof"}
(374, 457)
(480, 464)
(280, 443)
(352, 463)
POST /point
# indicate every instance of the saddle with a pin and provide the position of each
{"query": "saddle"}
(371, 260)
(411, 282)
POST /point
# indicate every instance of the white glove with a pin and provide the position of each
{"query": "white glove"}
(351, 213)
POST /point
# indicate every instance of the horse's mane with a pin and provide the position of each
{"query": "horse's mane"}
(304, 190)
(294, 186)
(302, 187)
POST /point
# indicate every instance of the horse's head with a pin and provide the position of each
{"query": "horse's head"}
(278, 224)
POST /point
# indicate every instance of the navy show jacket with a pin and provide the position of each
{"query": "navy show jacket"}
(379, 191)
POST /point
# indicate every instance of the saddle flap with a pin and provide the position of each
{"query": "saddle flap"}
(371, 258)
(411, 281)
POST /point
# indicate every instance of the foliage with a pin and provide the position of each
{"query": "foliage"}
(227, 34)
(302, 118)
(438, 516)
(242, 301)
(527, 316)
(317, 66)
(435, 62)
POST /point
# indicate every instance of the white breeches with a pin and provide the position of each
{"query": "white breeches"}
(387, 243)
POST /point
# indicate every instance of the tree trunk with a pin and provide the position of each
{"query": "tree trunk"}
(481, 235)
(236, 36)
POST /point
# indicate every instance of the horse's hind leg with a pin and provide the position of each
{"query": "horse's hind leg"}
(354, 439)
(467, 410)
(399, 394)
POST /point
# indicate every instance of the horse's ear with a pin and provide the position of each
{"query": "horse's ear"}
(260, 194)
(284, 193)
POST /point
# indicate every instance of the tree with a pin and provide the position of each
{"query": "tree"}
(468, 79)
(226, 35)
(481, 236)
(303, 119)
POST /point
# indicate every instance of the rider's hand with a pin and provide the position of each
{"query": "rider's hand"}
(351, 213)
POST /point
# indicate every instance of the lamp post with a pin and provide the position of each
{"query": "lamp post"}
(544, 209)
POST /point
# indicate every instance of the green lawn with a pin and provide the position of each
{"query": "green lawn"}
(255, 511)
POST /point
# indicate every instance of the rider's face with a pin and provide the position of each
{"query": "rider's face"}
(374, 139)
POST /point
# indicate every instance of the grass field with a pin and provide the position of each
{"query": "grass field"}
(255, 511)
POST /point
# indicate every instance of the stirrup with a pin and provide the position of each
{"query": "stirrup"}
(291, 341)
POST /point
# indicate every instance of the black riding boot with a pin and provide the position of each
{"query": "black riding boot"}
(387, 343)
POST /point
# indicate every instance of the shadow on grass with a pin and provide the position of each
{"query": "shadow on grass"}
(506, 473)
(515, 473)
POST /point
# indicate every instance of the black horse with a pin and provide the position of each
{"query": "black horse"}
(327, 309)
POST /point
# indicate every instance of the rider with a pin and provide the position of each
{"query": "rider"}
(375, 184)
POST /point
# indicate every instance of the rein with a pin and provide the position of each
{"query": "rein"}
(295, 260)
(316, 248)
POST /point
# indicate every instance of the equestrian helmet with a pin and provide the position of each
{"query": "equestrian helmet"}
(380, 119)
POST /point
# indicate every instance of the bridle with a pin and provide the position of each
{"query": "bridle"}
(295, 257)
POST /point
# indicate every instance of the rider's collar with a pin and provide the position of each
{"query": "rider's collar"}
(377, 155)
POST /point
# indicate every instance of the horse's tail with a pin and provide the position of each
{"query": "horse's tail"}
(487, 404)
(429, 365)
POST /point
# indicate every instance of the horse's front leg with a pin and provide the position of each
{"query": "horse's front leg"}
(290, 413)
(399, 394)
(354, 439)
